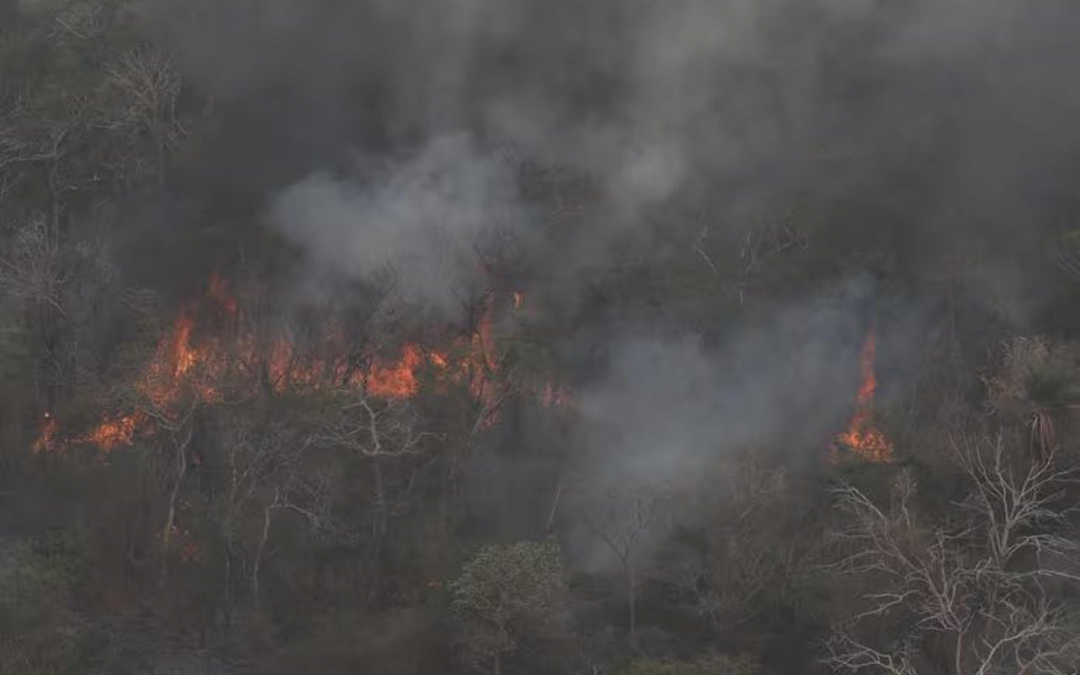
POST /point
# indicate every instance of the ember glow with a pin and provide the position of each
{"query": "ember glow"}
(862, 436)
(115, 433)
(398, 380)
(47, 436)
(218, 293)
(175, 364)
(224, 361)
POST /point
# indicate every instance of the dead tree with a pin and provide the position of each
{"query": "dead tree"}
(379, 430)
(621, 521)
(761, 243)
(178, 431)
(267, 469)
(752, 544)
(148, 86)
(976, 595)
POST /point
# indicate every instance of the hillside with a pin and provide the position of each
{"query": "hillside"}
(539, 337)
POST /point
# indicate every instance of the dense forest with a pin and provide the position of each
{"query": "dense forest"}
(539, 337)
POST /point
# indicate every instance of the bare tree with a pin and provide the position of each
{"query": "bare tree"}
(378, 430)
(621, 521)
(178, 430)
(31, 268)
(970, 597)
(752, 547)
(761, 243)
(292, 494)
(388, 434)
(147, 85)
(253, 460)
(80, 21)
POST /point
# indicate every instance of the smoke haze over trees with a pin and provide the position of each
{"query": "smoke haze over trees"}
(520, 336)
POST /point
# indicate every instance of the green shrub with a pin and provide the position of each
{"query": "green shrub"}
(506, 593)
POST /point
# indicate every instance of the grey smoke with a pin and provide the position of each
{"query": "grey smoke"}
(667, 405)
(922, 130)
(947, 121)
(905, 135)
(669, 410)
(422, 221)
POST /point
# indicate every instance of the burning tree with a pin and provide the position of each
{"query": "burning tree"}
(228, 359)
(269, 417)
(862, 436)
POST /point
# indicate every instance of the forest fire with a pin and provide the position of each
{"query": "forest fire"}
(48, 434)
(862, 437)
(229, 364)
(114, 433)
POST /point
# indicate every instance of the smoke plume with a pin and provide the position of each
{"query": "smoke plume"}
(422, 221)
(899, 136)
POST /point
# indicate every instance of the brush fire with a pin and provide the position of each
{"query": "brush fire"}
(228, 364)
(862, 436)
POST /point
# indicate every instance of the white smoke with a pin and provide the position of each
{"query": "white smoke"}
(422, 220)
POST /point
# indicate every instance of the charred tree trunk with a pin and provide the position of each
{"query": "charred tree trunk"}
(381, 515)
(180, 433)
(170, 517)
(257, 563)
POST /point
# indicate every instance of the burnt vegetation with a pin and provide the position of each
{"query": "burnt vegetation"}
(539, 337)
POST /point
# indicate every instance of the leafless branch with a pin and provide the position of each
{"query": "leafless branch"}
(761, 243)
(32, 269)
(375, 428)
(979, 582)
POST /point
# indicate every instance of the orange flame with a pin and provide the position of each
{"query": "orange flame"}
(114, 433)
(47, 437)
(187, 364)
(396, 380)
(862, 436)
(219, 294)
(175, 360)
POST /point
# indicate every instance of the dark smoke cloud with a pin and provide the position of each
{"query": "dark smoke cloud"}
(948, 120)
(906, 135)
(896, 122)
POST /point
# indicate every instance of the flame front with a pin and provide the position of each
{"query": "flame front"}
(114, 433)
(174, 364)
(211, 368)
(396, 380)
(862, 436)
